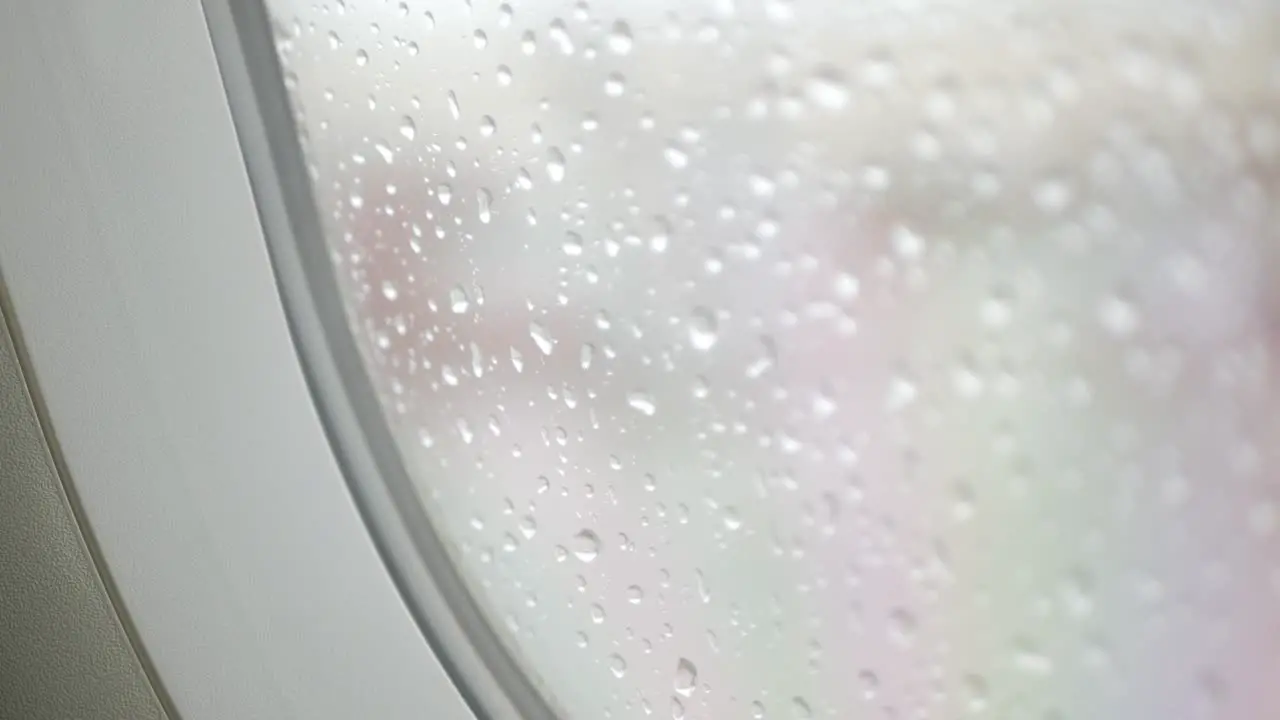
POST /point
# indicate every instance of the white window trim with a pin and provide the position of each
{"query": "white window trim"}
(139, 274)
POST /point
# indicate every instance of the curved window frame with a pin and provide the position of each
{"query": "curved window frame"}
(476, 659)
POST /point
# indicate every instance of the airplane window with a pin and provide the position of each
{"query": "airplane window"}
(897, 359)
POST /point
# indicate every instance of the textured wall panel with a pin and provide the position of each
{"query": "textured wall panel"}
(64, 654)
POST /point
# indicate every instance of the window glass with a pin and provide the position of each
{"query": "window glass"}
(821, 359)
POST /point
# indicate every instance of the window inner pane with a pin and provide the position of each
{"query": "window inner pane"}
(827, 359)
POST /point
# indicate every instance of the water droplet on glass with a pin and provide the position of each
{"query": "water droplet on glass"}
(846, 286)
(484, 200)
(454, 110)
(676, 157)
(907, 243)
(1052, 196)
(962, 510)
(528, 527)
(901, 394)
(620, 40)
(389, 290)
(458, 301)
(559, 34)
(408, 128)
(902, 627)
(704, 593)
(870, 684)
(449, 375)
(586, 545)
(828, 89)
(572, 244)
(976, 689)
(703, 329)
(879, 71)
(555, 165)
(541, 338)
(617, 665)
(780, 11)
(642, 402)
(800, 709)
(528, 43)
(686, 679)
(765, 361)
(615, 85)
(425, 439)
(1030, 660)
(996, 311)
(730, 517)
(824, 403)
(1118, 316)
(761, 186)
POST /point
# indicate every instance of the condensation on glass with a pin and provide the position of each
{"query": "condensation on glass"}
(793, 359)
